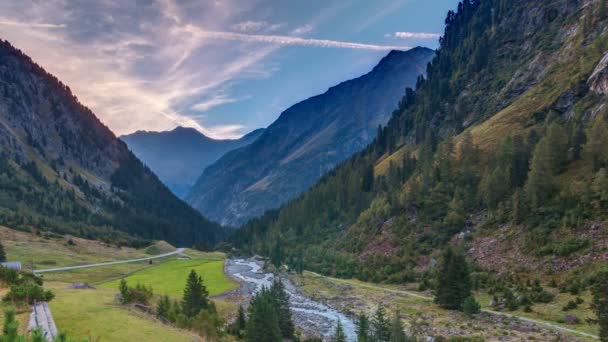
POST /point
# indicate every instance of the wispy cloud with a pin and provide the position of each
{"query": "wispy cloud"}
(290, 40)
(416, 35)
(6, 22)
(251, 26)
(215, 101)
(302, 30)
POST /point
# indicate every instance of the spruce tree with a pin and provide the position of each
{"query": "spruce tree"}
(281, 305)
(363, 333)
(125, 292)
(600, 303)
(397, 333)
(11, 326)
(241, 321)
(2, 253)
(339, 335)
(381, 331)
(595, 151)
(163, 307)
(195, 296)
(454, 284)
(263, 323)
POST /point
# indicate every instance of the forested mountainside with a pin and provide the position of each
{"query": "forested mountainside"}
(180, 156)
(62, 170)
(305, 142)
(502, 150)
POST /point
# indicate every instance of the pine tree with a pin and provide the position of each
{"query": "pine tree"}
(363, 333)
(540, 185)
(600, 187)
(263, 323)
(2, 253)
(519, 207)
(471, 306)
(195, 296)
(281, 304)
(454, 284)
(163, 307)
(381, 331)
(600, 303)
(397, 333)
(241, 321)
(125, 292)
(339, 335)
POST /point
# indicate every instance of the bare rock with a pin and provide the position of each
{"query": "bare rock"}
(598, 82)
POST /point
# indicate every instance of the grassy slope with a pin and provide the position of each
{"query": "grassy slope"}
(170, 277)
(83, 313)
(357, 296)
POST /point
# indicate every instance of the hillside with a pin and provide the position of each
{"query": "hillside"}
(305, 142)
(62, 170)
(501, 151)
(178, 157)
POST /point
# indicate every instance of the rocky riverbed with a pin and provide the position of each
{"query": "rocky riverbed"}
(312, 317)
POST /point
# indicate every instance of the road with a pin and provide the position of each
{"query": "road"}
(412, 294)
(69, 268)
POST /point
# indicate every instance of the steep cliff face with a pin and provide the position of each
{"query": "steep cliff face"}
(598, 81)
(305, 142)
(178, 157)
(61, 169)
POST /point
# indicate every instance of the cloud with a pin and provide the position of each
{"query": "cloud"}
(7, 22)
(290, 40)
(250, 26)
(416, 35)
(216, 101)
(302, 30)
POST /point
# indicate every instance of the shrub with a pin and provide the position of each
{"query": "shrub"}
(471, 306)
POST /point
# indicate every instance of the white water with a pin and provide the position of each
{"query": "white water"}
(312, 317)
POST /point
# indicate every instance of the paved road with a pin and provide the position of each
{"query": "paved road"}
(68, 268)
(412, 294)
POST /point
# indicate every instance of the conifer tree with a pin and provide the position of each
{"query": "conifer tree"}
(195, 296)
(11, 326)
(397, 333)
(363, 333)
(163, 307)
(2, 253)
(381, 330)
(281, 305)
(263, 323)
(241, 321)
(124, 291)
(600, 303)
(454, 284)
(595, 151)
(339, 335)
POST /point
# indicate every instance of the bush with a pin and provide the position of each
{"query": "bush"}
(571, 305)
(28, 293)
(471, 306)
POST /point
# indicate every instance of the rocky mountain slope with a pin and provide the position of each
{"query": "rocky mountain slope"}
(305, 142)
(178, 157)
(62, 170)
(501, 151)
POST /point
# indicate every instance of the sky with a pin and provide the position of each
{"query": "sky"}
(224, 67)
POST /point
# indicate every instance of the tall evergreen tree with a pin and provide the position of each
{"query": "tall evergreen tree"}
(397, 333)
(600, 303)
(454, 284)
(195, 296)
(263, 323)
(281, 304)
(595, 151)
(381, 329)
(339, 335)
(124, 290)
(241, 321)
(163, 307)
(11, 326)
(2, 253)
(363, 331)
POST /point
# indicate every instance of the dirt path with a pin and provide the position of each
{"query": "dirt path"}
(412, 294)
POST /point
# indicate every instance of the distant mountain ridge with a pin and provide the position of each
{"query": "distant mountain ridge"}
(305, 142)
(178, 157)
(62, 170)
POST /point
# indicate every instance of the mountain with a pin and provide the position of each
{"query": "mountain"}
(306, 141)
(62, 170)
(178, 157)
(502, 152)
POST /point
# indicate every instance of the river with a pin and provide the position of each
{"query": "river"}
(312, 317)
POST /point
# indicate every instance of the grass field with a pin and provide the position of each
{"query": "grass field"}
(84, 313)
(170, 277)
